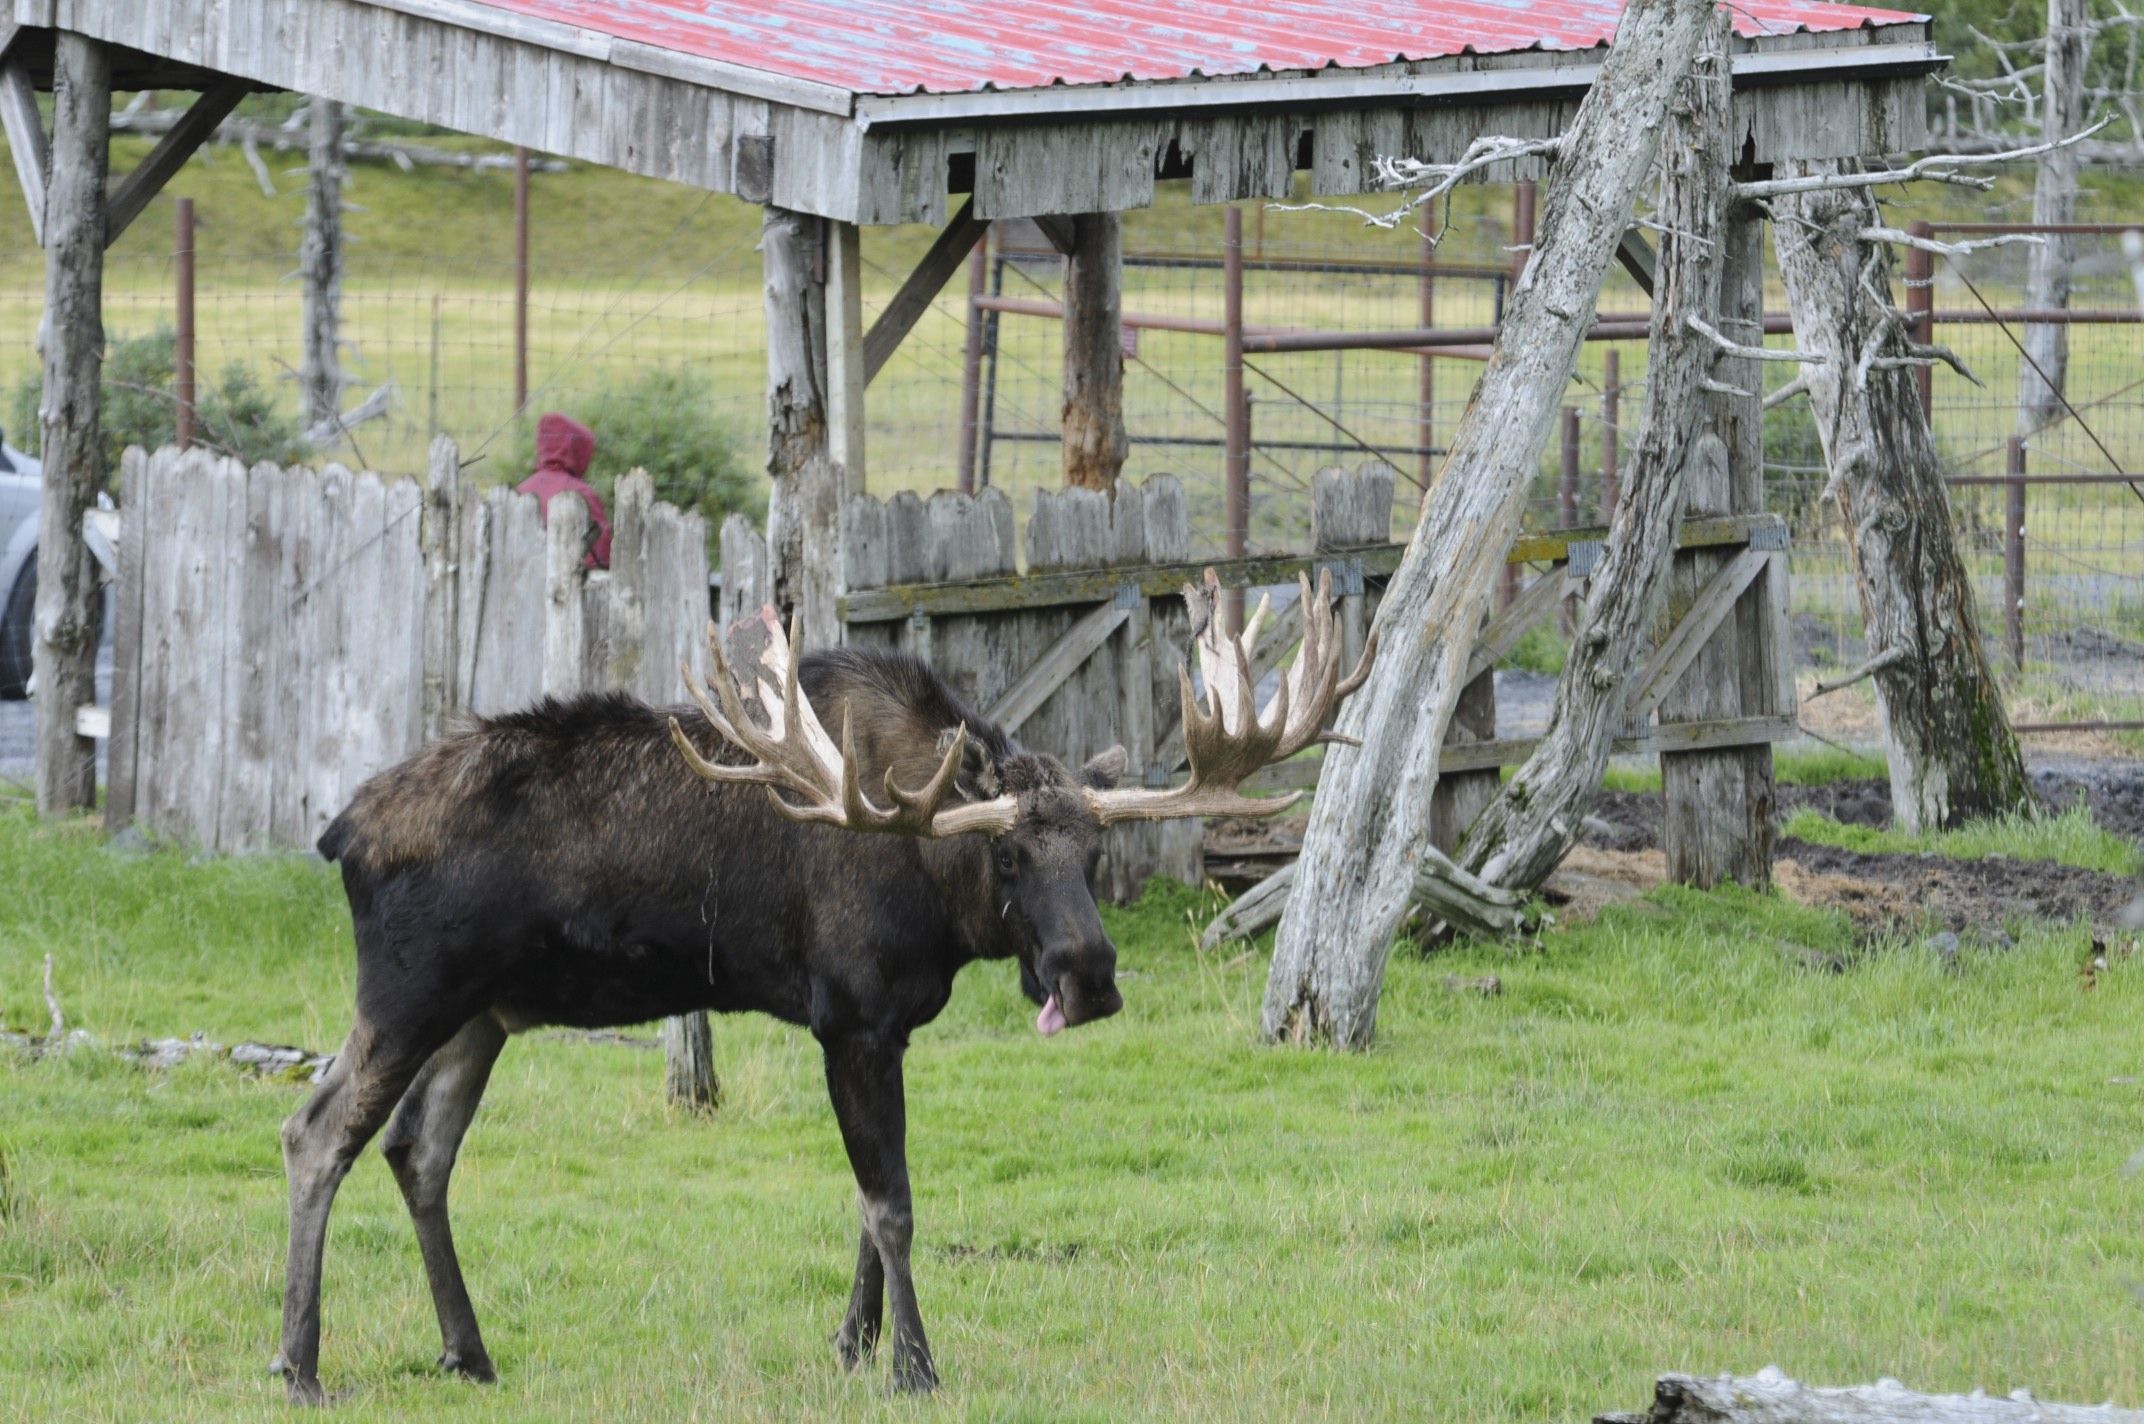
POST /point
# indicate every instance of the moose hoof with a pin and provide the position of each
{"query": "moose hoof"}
(475, 1366)
(914, 1377)
(303, 1391)
(853, 1345)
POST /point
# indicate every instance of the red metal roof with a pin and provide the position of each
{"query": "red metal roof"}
(961, 46)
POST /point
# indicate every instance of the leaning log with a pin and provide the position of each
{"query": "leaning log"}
(1947, 738)
(1370, 824)
(1526, 831)
(1769, 1397)
(63, 655)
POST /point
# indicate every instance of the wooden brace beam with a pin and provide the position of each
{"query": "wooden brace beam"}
(1681, 647)
(1025, 697)
(922, 288)
(26, 140)
(170, 154)
(1060, 232)
(1638, 259)
(1502, 633)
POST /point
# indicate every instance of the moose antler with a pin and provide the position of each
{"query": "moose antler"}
(1231, 738)
(793, 753)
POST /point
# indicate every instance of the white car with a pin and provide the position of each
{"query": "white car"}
(21, 487)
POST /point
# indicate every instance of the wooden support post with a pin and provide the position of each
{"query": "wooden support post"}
(182, 359)
(1719, 802)
(1611, 433)
(64, 647)
(1236, 450)
(1425, 426)
(804, 511)
(320, 275)
(1094, 440)
(971, 364)
(1921, 308)
(845, 361)
(521, 278)
(2014, 555)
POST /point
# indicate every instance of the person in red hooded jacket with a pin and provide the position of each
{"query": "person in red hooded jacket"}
(564, 447)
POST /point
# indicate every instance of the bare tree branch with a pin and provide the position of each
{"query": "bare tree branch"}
(1440, 178)
(1889, 657)
(1929, 170)
(1705, 329)
(1947, 249)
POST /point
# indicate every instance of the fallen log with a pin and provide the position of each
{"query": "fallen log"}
(1770, 1397)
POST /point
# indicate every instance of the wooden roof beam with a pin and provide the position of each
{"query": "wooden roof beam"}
(922, 287)
(170, 154)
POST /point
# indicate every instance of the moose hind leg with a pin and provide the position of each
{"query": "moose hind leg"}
(863, 1076)
(421, 1144)
(858, 1335)
(320, 1141)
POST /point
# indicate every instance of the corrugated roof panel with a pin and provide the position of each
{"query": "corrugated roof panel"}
(962, 46)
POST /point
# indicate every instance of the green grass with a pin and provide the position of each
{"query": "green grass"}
(1665, 1146)
(2072, 838)
(1791, 766)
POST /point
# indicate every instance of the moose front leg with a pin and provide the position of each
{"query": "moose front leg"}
(863, 1076)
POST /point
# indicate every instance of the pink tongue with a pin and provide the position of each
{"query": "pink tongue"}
(1051, 1019)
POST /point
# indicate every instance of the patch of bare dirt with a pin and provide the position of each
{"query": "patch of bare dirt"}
(1910, 894)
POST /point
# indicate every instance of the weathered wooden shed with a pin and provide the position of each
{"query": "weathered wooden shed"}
(837, 114)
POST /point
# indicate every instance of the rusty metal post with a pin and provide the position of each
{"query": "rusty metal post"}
(1425, 429)
(1522, 242)
(1611, 434)
(183, 356)
(1567, 488)
(971, 364)
(521, 278)
(1236, 462)
(2014, 555)
(1921, 309)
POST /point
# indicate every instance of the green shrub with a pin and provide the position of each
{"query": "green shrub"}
(1539, 649)
(234, 413)
(663, 421)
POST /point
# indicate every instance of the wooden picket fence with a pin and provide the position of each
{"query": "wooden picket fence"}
(283, 634)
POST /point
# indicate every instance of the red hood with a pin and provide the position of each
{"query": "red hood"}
(563, 443)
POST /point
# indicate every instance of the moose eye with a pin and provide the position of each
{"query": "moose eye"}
(1008, 861)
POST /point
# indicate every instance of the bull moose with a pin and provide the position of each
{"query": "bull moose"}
(591, 862)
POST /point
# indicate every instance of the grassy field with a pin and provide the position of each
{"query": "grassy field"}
(1665, 1145)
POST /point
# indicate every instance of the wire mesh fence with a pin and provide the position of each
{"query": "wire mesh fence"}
(676, 322)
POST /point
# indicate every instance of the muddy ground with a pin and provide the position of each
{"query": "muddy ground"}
(1887, 896)
(1921, 893)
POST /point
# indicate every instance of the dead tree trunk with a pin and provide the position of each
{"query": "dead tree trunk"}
(1527, 830)
(1369, 828)
(2054, 200)
(320, 267)
(1769, 1397)
(63, 654)
(1094, 440)
(1951, 751)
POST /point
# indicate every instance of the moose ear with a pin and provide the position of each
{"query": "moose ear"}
(978, 775)
(1101, 772)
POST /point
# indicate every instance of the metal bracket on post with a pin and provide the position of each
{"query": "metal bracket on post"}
(1770, 538)
(1129, 595)
(1582, 557)
(1347, 575)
